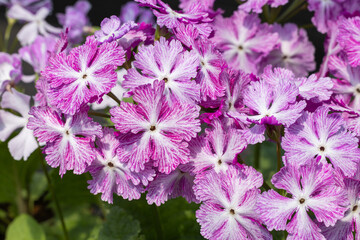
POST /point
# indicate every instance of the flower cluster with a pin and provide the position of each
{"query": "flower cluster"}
(164, 102)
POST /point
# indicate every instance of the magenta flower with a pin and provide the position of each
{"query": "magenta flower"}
(37, 54)
(256, 5)
(349, 39)
(22, 145)
(295, 51)
(228, 204)
(169, 62)
(325, 12)
(82, 76)
(243, 40)
(112, 29)
(175, 184)
(156, 130)
(132, 12)
(110, 175)
(344, 228)
(271, 104)
(69, 139)
(75, 19)
(321, 136)
(218, 149)
(194, 15)
(311, 188)
(211, 64)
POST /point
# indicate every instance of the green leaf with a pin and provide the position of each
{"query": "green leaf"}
(71, 190)
(38, 185)
(24, 227)
(120, 225)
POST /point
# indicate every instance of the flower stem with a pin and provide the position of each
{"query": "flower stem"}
(110, 94)
(158, 226)
(278, 153)
(57, 205)
(104, 115)
(257, 153)
(293, 7)
(10, 25)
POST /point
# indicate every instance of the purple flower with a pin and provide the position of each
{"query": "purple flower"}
(229, 200)
(344, 228)
(132, 12)
(10, 70)
(186, 5)
(166, 61)
(194, 15)
(325, 12)
(37, 54)
(156, 130)
(112, 29)
(22, 145)
(243, 40)
(36, 24)
(312, 188)
(320, 136)
(69, 139)
(31, 5)
(256, 5)
(82, 76)
(349, 39)
(75, 18)
(218, 149)
(110, 175)
(175, 184)
(348, 82)
(295, 51)
(271, 104)
(211, 64)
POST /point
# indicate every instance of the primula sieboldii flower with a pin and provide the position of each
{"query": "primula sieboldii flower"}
(325, 11)
(69, 138)
(243, 40)
(175, 184)
(166, 61)
(22, 145)
(110, 175)
(30, 5)
(295, 51)
(75, 19)
(211, 64)
(157, 131)
(256, 5)
(112, 29)
(118, 91)
(348, 82)
(37, 54)
(10, 70)
(36, 23)
(186, 5)
(312, 188)
(217, 149)
(349, 39)
(82, 76)
(228, 204)
(132, 12)
(271, 105)
(344, 228)
(310, 88)
(194, 15)
(319, 136)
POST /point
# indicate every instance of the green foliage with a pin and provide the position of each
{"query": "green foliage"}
(176, 218)
(120, 225)
(24, 227)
